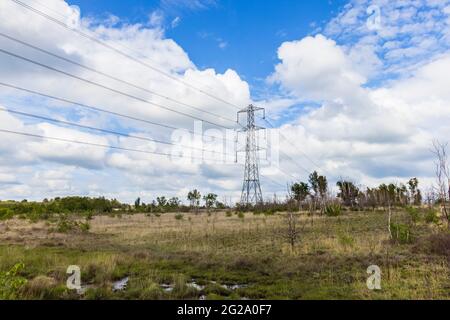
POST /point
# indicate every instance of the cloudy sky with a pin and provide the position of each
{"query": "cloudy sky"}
(357, 89)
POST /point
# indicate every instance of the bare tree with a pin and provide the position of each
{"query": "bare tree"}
(292, 232)
(442, 177)
(384, 190)
(430, 197)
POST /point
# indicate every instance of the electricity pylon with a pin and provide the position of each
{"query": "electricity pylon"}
(251, 188)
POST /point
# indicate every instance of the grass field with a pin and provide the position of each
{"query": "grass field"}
(225, 256)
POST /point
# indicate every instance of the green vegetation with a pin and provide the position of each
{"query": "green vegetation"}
(11, 282)
(333, 210)
(401, 233)
(179, 216)
(69, 205)
(229, 257)
(309, 246)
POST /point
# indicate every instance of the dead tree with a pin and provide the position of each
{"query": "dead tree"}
(442, 178)
(293, 232)
(389, 218)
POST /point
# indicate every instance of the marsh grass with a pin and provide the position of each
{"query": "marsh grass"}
(329, 260)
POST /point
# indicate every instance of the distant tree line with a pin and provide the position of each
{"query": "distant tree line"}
(315, 192)
(60, 205)
(101, 205)
(313, 195)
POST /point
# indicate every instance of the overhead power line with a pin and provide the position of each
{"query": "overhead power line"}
(273, 181)
(105, 146)
(298, 149)
(109, 88)
(72, 124)
(97, 109)
(92, 38)
(111, 76)
(128, 48)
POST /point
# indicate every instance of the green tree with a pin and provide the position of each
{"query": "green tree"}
(162, 201)
(137, 203)
(314, 183)
(194, 197)
(323, 186)
(383, 191)
(392, 193)
(402, 194)
(174, 202)
(210, 200)
(348, 192)
(300, 191)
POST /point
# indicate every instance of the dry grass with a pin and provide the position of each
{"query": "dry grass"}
(329, 261)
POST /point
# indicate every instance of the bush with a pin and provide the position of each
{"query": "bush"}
(84, 226)
(431, 216)
(65, 225)
(229, 214)
(179, 216)
(414, 213)
(6, 214)
(89, 215)
(346, 240)
(11, 283)
(41, 287)
(270, 212)
(333, 210)
(241, 215)
(401, 233)
(439, 244)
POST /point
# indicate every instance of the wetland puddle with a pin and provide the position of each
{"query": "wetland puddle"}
(193, 284)
(120, 285)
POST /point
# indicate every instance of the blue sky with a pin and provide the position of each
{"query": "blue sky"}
(250, 31)
(357, 88)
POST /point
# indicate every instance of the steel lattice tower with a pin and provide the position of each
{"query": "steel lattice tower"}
(251, 188)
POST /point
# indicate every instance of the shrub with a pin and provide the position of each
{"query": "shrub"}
(84, 226)
(333, 210)
(439, 244)
(229, 214)
(6, 214)
(64, 225)
(241, 215)
(11, 282)
(89, 215)
(431, 216)
(179, 216)
(346, 240)
(270, 212)
(414, 213)
(41, 287)
(401, 233)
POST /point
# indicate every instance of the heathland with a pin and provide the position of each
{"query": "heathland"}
(227, 254)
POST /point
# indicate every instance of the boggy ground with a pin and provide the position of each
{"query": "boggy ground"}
(226, 256)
